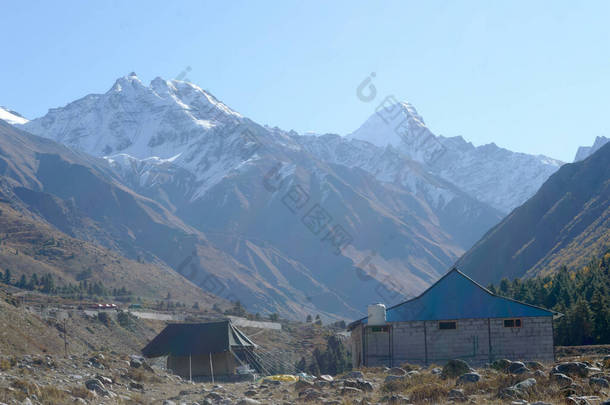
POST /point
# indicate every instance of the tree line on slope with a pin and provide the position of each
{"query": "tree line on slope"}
(46, 284)
(583, 296)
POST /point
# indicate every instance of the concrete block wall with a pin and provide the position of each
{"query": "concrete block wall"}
(469, 342)
(408, 344)
(532, 341)
(377, 348)
(478, 341)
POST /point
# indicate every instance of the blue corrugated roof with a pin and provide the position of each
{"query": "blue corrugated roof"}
(457, 296)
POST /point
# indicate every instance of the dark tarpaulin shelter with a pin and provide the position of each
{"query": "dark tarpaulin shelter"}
(202, 349)
(183, 339)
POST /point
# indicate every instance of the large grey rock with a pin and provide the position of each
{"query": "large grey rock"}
(519, 390)
(561, 379)
(525, 385)
(397, 371)
(392, 378)
(468, 378)
(517, 367)
(572, 368)
(97, 386)
(457, 395)
(360, 384)
(599, 382)
(397, 399)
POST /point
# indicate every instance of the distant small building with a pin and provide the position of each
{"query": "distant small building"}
(454, 318)
(203, 350)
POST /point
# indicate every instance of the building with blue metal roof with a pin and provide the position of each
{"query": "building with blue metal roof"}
(455, 318)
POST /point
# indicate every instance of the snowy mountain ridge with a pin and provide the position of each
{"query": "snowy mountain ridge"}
(11, 117)
(497, 176)
(177, 120)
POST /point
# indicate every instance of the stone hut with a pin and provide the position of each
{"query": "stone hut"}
(456, 318)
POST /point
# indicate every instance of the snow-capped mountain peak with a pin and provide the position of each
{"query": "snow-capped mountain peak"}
(161, 119)
(390, 124)
(11, 117)
(476, 170)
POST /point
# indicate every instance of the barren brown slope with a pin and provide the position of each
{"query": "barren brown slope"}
(30, 245)
(66, 213)
(565, 223)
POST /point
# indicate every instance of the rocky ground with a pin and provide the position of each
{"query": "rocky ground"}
(112, 378)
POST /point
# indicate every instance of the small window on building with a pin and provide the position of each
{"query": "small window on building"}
(512, 323)
(447, 325)
(379, 328)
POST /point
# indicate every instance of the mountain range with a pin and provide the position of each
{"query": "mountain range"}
(283, 222)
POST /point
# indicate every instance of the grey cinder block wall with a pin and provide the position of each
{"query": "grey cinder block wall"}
(479, 327)
(477, 341)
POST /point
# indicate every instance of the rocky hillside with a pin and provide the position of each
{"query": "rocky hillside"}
(65, 214)
(565, 223)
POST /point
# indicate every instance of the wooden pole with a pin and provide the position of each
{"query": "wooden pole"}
(65, 339)
(212, 367)
(190, 369)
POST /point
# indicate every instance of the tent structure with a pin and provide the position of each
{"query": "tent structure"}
(196, 350)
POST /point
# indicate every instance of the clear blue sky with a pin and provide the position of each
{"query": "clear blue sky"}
(529, 76)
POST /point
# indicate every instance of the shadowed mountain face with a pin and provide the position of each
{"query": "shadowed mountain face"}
(565, 223)
(305, 224)
(66, 214)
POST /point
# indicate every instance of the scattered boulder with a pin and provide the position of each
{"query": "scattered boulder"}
(468, 378)
(455, 368)
(96, 386)
(436, 371)
(599, 382)
(457, 395)
(355, 375)
(561, 379)
(397, 371)
(135, 363)
(326, 377)
(361, 384)
(525, 385)
(350, 391)
(519, 390)
(572, 368)
(397, 399)
(392, 378)
(517, 367)
(214, 396)
(136, 386)
(534, 365)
